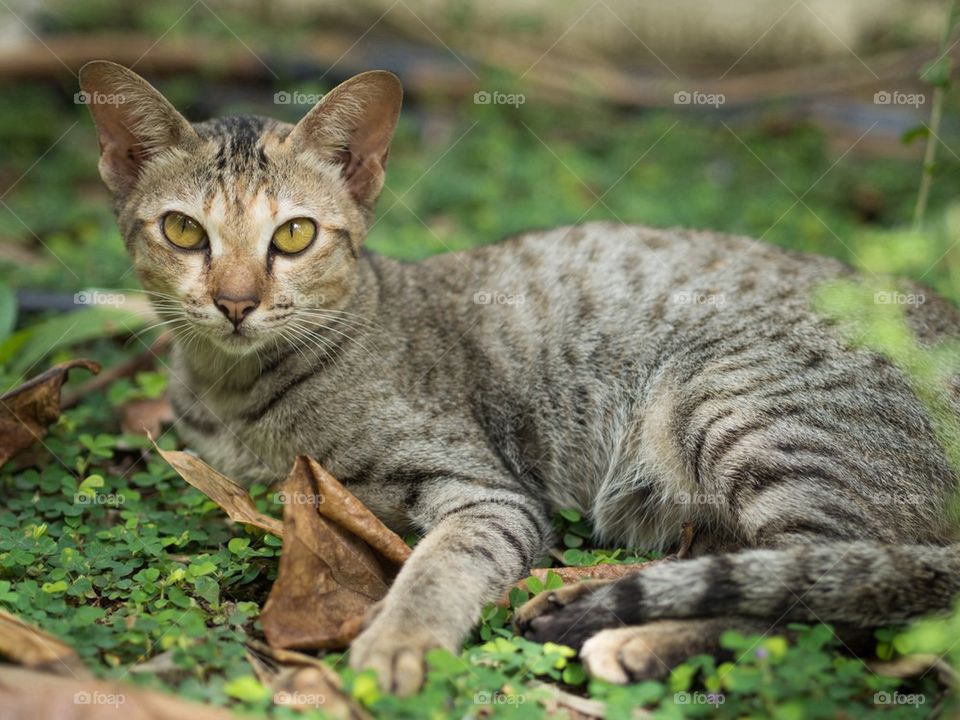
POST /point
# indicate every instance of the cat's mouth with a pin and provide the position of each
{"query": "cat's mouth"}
(238, 340)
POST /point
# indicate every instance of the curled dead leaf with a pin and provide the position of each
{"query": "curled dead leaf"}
(342, 507)
(329, 575)
(27, 411)
(302, 682)
(232, 497)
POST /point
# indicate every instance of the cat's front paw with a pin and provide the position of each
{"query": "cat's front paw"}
(569, 615)
(397, 653)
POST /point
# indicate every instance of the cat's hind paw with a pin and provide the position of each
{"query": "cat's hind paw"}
(635, 653)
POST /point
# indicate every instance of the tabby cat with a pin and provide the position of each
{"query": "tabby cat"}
(646, 377)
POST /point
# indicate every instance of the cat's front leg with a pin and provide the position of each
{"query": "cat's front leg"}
(481, 541)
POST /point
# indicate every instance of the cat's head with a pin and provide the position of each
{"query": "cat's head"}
(244, 230)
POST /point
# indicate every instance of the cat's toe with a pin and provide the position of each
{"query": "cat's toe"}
(398, 658)
(567, 616)
(649, 651)
(628, 654)
(550, 601)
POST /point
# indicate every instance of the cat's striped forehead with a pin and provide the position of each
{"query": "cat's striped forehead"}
(240, 146)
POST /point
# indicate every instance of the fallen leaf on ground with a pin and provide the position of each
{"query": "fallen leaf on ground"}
(28, 695)
(338, 504)
(28, 645)
(302, 682)
(233, 498)
(329, 577)
(145, 417)
(606, 571)
(909, 667)
(27, 411)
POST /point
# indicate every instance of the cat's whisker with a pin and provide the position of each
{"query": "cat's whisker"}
(319, 343)
(343, 317)
(172, 322)
(323, 326)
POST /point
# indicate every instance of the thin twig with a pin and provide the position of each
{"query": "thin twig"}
(933, 129)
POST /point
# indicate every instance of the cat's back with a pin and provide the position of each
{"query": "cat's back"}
(627, 261)
(610, 276)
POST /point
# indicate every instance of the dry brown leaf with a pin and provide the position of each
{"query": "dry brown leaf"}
(606, 571)
(27, 411)
(328, 576)
(302, 682)
(29, 695)
(145, 417)
(338, 504)
(28, 645)
(233, 498)
(909, 667)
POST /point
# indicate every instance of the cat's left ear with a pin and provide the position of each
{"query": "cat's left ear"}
(134, 122)
(353, 126)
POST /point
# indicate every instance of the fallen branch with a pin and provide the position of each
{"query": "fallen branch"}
(143, 361)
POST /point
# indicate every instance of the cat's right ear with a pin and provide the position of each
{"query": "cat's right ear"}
(134, 122)
(352, 126)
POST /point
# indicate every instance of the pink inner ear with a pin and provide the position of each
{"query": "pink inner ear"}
(121, 155)
(363, 171)
(353, 126)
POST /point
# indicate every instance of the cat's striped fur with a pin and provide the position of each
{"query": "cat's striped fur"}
(647, 377)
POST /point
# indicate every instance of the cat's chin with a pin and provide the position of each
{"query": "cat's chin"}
(236, 344)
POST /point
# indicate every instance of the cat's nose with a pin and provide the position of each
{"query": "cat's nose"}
(236, 309)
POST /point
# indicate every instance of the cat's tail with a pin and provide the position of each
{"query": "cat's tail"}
(859, 584)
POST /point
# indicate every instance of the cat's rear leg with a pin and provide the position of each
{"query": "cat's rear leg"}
(651, 651)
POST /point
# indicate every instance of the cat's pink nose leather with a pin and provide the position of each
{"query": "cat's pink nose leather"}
(236, 309)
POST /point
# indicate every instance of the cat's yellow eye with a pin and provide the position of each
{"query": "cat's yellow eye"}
(183, 231)
(294, 235)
